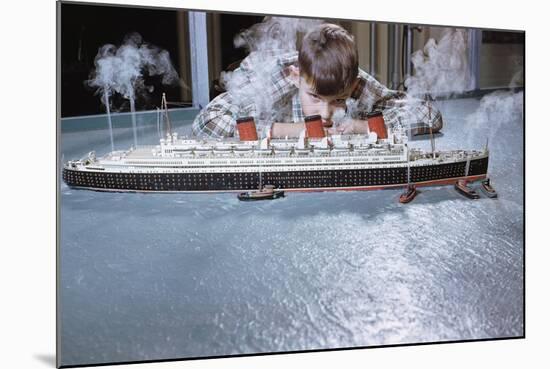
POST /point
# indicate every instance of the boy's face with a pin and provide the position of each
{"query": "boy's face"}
(325, 106)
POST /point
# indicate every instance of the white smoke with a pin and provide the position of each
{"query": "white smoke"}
(253, 89)
(340, 117)
(122, 69)
(275, 33)
(440, 70)
(517, 79)
(441, 67)
(344, 116)
(496, 110)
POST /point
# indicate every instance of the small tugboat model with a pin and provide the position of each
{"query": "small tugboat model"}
(487, 189)
(464, 189)
(409, 194)
(268, 192)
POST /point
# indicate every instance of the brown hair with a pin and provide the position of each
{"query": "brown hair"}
(328, 59)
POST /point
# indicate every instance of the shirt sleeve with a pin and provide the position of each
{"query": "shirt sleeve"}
(218, 118)
(257, 88)
(399, 109)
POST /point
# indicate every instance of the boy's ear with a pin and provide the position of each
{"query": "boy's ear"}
(294, 75)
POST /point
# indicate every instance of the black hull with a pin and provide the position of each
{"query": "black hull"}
(296, 180)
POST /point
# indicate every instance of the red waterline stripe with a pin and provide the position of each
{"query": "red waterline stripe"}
(447, 181)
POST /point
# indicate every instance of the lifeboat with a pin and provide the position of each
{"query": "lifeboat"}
(221, 147)
(282, 147)
(243, 147)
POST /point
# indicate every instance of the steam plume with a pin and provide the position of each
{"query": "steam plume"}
(265, 41)
(495, 111)
(441, 68)
(121, 70)
(275, 33)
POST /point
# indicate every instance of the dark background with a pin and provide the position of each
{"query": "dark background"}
(85, 28)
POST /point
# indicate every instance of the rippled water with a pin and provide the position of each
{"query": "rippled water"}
(155, 276)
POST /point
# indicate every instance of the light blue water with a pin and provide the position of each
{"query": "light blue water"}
(157, 276)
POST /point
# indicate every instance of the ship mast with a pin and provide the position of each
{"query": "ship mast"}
(164, 108)
(158, 123)
(408, 165)
(429, 99)
(260, 184)
(433, 142)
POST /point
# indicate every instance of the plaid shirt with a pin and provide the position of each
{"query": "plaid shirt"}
(260, 87)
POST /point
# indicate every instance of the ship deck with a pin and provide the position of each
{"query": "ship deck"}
(141, 152)
(144, 152)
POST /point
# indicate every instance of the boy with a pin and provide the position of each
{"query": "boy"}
(322, 78)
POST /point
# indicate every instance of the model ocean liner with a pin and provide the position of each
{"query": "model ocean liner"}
(312, 162)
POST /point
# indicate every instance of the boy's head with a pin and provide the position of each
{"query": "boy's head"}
(327, 70)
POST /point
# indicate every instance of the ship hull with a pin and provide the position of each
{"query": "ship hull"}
(369, 178)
